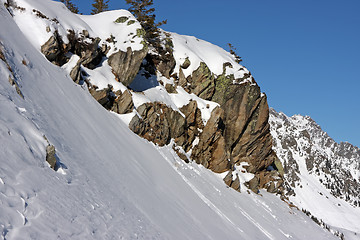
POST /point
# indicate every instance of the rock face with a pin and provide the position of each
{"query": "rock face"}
(158, 123)
(201, 82)
(238, 132)
(211, 151)
(126, 65)
(301, 142)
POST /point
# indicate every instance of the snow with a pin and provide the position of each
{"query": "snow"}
(198, 51)
(103, 76)
(112, 184)
(100, 25)
(104, 25)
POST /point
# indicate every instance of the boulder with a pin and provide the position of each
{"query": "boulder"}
(235, 184)
(186, 63)
(54, 50)
(75, 73)
(123, 103)
(125, 65)
(104, 96)
(50, 156)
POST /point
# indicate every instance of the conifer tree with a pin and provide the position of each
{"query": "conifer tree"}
(232, 52)
(70, 6)
(144, 12)
(100, 6)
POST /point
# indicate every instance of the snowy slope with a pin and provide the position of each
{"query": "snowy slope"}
(322, 175)
(111, 184)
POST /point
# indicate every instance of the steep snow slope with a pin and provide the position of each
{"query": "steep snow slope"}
(322, 175)
(111, 184)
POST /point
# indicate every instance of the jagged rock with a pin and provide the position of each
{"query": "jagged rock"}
(170, 88)
(125, 65)
(105, 97)
(247, 130)
(211, 151)
(201, 82)
(180, 154)
(17, 88)
(253, 184)
(186, 63)
(91, 54)
(158, 123)
(222, 85)
(75, 73)
(235, 184)
(50, 156)
(164, 63)
(194, 123)
(53, 50)
(123, 103)
(228, 178)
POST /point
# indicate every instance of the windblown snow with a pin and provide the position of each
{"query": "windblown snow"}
(111, 184)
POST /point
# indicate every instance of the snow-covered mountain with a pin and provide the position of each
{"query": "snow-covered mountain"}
(321, 176)
(75, 89)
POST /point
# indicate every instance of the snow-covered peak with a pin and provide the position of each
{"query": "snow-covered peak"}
(322, 175)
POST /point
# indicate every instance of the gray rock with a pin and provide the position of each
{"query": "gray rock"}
(125, 65)
(123, 103)
(50, 156)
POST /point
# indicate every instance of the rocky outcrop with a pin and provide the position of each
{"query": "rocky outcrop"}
(54, 50)
(231, 182)
(119, 102)
(158, 123)
(87, 48)
(238, 132)
(126, 65)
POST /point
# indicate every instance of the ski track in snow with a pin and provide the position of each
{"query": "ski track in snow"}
(266, 233)
(201, 196)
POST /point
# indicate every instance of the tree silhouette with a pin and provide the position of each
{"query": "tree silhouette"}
(70, 6)
(144, 12)
(232, 52)
(99, 6)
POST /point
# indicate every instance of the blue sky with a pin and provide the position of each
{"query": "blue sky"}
(305, 55)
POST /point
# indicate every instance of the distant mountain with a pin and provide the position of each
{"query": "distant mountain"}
(314, 164)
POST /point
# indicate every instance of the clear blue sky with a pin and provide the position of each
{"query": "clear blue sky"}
(305, 55)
